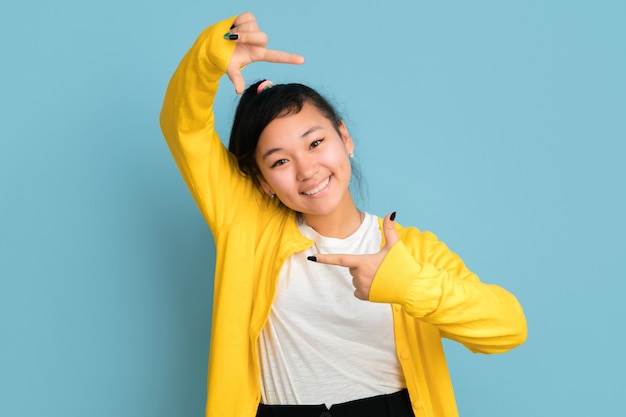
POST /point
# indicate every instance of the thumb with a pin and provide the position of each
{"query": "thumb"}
(237, 79)
(389, 229)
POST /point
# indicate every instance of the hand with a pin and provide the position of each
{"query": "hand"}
(251, 47)
(363, 268)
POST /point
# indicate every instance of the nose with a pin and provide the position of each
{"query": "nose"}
(307, 168)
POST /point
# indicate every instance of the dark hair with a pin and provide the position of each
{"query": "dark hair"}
(256, 110)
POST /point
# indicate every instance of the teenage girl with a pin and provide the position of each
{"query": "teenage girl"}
(319, 308)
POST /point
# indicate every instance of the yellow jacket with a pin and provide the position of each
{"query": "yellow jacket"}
(431, 292)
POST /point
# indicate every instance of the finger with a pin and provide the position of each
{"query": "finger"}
(349, 261)
(254, 38)
(259, 40)
(389, 229)
(281, 57)
(251, 26)
(244, 18)
(237, 79)
(360, 292)
(361, 296)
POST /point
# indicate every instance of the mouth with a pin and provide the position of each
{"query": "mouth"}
(320, 187)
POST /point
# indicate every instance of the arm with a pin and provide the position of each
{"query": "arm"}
(187, 118)
(434, 285)
(415, 270)
(187, 122)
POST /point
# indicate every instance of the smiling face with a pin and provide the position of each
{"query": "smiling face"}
(305, 161)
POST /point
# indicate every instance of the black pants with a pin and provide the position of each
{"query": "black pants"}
(390, 405)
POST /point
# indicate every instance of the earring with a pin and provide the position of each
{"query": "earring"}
(351, 155)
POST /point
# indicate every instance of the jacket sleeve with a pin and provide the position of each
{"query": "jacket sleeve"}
(433, 284)
(187, 122)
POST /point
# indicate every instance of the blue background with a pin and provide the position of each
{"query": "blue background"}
(500, 126)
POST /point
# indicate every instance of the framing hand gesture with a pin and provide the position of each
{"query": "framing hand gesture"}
(251, 47)
(363, 268)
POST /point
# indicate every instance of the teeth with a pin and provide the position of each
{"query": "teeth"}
(318, 188)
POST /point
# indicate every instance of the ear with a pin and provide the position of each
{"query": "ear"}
(345, 137)
(266, 187)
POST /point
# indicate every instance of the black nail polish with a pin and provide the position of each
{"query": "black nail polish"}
(232, 27)
(312, 258)
(393, 216)
(231, 36)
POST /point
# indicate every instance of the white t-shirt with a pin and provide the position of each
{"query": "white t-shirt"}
(321, 344)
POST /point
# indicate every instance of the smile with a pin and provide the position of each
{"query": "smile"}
(319, 188)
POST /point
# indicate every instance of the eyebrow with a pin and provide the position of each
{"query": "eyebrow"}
(272, 151)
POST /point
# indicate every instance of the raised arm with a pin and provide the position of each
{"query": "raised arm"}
(187, 118)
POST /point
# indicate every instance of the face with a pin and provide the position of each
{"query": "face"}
(305, 162)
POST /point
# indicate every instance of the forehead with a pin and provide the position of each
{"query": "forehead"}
(294, 126)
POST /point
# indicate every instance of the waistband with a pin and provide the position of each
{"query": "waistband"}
(389, 405)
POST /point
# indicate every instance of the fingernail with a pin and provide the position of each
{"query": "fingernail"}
(232, 27)
(312, 258)
(393, 216)
(231, 36)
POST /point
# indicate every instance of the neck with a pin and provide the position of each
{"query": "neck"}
(341, 223)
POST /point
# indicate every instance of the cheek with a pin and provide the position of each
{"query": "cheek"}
(279, 180)
(340, 160)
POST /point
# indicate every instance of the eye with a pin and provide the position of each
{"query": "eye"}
(316, 143)
(279, 163)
